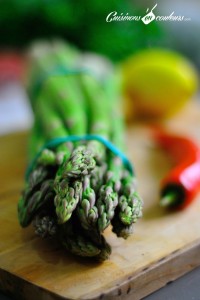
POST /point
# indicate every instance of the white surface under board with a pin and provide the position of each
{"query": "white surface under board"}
(15, 110)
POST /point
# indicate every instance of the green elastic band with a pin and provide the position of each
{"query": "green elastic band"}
(74, 138)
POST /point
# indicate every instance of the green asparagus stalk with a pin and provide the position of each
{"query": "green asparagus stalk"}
(35, 193)
(36, 140)
(42, 64)
(61, 88)
(70, 115)
(98, 114)
(66, 54)
(65, 97)
(53, 127)
(108, 194)
(39, 187)
(60, 94)
(129, 208)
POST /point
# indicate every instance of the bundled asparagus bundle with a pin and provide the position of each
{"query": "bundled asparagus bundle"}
(76, 186)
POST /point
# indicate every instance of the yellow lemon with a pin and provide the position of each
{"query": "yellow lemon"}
(157, 83)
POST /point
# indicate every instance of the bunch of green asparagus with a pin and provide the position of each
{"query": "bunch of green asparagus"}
(75, 190)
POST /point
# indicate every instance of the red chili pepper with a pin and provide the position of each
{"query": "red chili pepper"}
(182, 183)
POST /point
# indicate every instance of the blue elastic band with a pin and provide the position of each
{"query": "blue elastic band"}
(74, 138)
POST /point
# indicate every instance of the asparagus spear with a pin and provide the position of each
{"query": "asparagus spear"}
(99, 122)
(68, 194)
(97, 177)
(87, 211)
(108, 194)
(65, 204)
(45, 226)
(79, 245)
(36, 140)
(80, 163)
(106, 204)
(28, 206)
(66, 54)
(130, 203)
(76, 240)
(65, 97)
(129, 207)
(119, 228)
(84, 158)
(39, 186)
(53, 127)
(42, 64)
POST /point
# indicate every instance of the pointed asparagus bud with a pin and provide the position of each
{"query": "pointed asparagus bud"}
(27, 208)
(37, 176)
(73, 239)
(113, 181)
(106, 205)
(80, 246)
(130, 208)
(47, 157)
(81, 162)
(87, 211)
(97, 177)
(120, 229)
(45, 226)
(67, 199)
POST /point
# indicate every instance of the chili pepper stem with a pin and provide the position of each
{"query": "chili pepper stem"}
(169, 199)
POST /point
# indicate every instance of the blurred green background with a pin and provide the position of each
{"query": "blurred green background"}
(83, 22)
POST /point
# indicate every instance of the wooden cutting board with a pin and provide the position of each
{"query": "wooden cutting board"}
(163, 247)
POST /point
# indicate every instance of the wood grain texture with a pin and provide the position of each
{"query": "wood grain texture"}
(163, 247)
